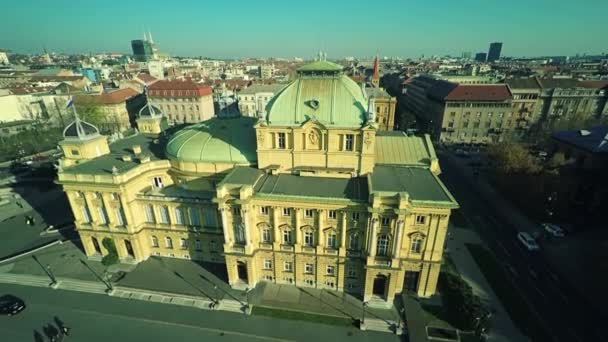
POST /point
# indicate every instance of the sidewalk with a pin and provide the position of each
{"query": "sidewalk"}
(503, 329)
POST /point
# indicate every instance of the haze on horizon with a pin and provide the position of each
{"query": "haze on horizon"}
(238, 28)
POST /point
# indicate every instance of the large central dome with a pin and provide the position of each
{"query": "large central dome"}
(217, 140)
(321, 91)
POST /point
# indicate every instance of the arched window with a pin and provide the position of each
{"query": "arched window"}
(383, 243)
(287, 238)
(416, 244)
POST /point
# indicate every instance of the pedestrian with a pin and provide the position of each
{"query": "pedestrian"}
(65, 330)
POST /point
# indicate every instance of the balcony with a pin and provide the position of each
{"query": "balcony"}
(238, 249)
(382, 261)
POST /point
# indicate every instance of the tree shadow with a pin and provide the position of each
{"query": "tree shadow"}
(38, 336)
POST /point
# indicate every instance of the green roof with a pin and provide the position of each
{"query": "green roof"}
(420, 183)
(217, 140)
(321, 66)
(241, 175)
(151, 146)
(354, 189)
(334, 100)
(397, 148)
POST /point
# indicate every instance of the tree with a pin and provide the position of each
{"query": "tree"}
(513, 158)
(112, 257)
(464, 308)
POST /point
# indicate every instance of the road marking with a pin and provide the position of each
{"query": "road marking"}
(539, 291)
(146, 320)
(504, 249)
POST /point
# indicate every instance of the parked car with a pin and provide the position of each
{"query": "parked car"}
(553, 229)
(11, 305)
(528, 241)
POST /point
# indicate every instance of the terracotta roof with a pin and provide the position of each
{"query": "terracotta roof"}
(483, 92)
(559, 83)
(186, 88)
(30, 90)
(114, 97)
(146, 78)
(595, 84)
(57, 78)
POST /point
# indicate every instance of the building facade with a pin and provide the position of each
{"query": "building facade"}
(253, 99)
(567, 98)
(118, 107)
(142, 50)
(385, 108)
(494, 52)
(310, 194)
(526, 104)
(182, 101)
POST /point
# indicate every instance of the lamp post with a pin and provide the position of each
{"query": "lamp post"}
(363, 317)
(217, 297)
(108, 281)
(51, 275)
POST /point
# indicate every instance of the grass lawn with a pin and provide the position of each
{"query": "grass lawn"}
(514, 304)
(301, 316)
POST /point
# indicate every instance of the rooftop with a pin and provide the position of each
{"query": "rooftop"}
(559, 83)
(593, 140)
(262, 88)
(157, 88)
(397, 148)
(479, 92)
(523, 83)
(420, 183)
(109, 98)
(376, 92)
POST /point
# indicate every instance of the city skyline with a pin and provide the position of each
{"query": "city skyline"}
(253, 30)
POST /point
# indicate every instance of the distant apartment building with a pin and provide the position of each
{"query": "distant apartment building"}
(118, 107)
(494, 52)
(265, 71)
(567, 98)
(385, 108)
(526, 103)
(481, 57)
(142, 50)
(600, 88)
(468, 79)
(182, 101)
(4, 58)
(253, 99)
(156, 69)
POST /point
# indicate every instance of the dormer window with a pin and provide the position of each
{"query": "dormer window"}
(157, 182)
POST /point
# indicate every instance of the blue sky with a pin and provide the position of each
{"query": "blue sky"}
(288, 28)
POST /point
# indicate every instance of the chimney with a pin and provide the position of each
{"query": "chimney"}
(136, 149)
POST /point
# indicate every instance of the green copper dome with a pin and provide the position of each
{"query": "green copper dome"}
(320, 91)
(217, 140)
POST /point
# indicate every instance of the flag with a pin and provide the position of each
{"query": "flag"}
(70, 102)
(145, 89)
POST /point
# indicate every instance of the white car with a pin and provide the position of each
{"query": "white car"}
(527, 240)
(553, 229)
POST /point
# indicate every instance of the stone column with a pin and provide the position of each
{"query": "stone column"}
(398, 239)
(343, 231)
(320, 238)
(275, 225)
(246, 227)
(374, 238)
(298, 223)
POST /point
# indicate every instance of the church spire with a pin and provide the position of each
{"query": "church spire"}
(376, 74)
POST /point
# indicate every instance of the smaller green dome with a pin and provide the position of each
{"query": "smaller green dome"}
(217, 140)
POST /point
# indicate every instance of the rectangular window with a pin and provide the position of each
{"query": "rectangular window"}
(354, 216)
(308, 268)
(197, 245)
(287, 237)
(154, 241)
(86, 215)
(331, 240)
(386, 221)
(120, 216)
(308, 213)
(236, 211)
(286, 211)
(168, 242)
(164, 215)
(331, 270)
(103, 216)
(179, 216)
(288, 266)
(332, 214)
(195, 219)
(213, 246)
(281, 140)
(353, 242)
(264, 210)
(266, 235)
(210, 217)
(352, 273)
(183, 243)
(149, 213)
(416, 245)
(349, 142)
(382, 245)
(420, 219)
(157, 182)
(308, 239)
(267, 264)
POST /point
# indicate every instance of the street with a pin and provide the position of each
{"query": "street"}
(101, 318)
(562, 312)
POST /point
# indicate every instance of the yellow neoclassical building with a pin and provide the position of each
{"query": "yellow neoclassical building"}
(311, 193)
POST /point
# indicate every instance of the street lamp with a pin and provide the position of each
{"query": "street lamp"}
(217, 296)
(108, 281)
(363, 317)
(51, 275)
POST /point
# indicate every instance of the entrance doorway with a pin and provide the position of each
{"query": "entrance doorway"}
(411, 281)
(241, 268)
(380, 286)
(129, 248)
(96, 245)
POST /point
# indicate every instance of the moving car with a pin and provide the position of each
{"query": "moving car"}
(528, 241)
(11, 305)
(553, 229)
